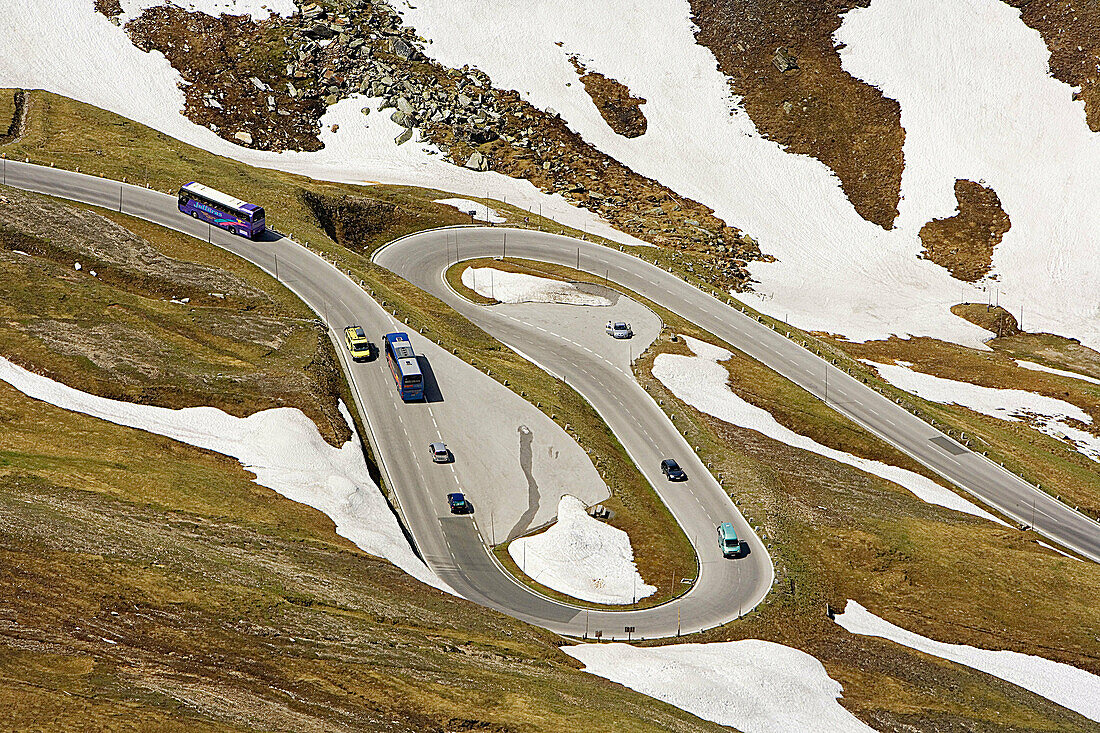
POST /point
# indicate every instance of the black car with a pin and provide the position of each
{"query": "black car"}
(458, 504)
(672, 471)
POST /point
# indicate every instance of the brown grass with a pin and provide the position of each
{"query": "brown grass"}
(7, 110)
(1061, 470)
(620, 109)
(964, 243)
(117, 333)
(1072, 33)
(816, 109)
(232, 608)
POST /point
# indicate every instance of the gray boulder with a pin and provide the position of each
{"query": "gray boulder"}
(401, 49)
(404, 137)
(319, 31)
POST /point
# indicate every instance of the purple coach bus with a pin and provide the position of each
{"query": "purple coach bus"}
(222, 210)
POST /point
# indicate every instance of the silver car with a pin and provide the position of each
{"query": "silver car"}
(440, 454)
(619, 330)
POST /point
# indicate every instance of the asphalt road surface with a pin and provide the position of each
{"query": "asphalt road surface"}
(422, 258)
(454, 546)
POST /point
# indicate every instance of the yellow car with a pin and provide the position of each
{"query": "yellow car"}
(356, 339)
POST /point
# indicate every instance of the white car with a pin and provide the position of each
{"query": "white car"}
(619, 330)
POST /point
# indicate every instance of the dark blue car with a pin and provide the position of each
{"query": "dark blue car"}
(458, 504)
(672, 471)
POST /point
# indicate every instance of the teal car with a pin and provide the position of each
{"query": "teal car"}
(728, 541)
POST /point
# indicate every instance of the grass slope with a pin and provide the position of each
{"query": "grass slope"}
(146, 584)
(236, 343)
(349, 223)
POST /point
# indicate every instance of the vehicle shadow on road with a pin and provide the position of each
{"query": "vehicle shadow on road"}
(270, 235)
(431, 386)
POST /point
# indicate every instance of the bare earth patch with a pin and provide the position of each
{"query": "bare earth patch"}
(621, 110)
(780, 57)
(12, 104)
(964, 243)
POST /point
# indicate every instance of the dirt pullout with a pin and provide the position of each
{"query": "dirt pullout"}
(1072, 33)
(780, 57)
(620, 109)
(266, 85)
(964, 243)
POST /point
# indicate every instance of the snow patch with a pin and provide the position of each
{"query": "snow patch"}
(1051, 370)
(1046, 414)
(835, 271)
(517, 287)
(703, 383)
(582, 557)
(1006, 123)
(1063, 684)
(258, 9)
(466, 206)
(754, 686)
(1059, 551)
(281, 446)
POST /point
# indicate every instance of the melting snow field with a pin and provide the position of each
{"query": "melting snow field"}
(258, 9)
(1051, 370)
(582, 557)
(517, 287)
(1046, 414)
(1068, 686)
(1010, 124)
(66, 47)
(754, 686)
(281, 446)
(481, 211)
(702, 382)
